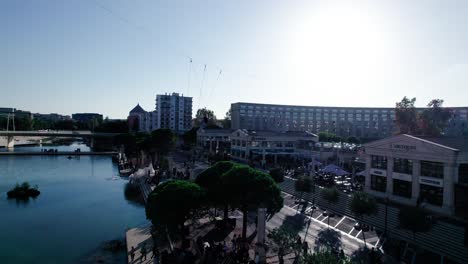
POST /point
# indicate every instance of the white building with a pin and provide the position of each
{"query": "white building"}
(174, 112)
(429, 172)
(267, 147)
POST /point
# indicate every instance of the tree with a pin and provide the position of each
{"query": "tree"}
(227, 119)
(328, 137)
(119, 126)
(414, 219)
(190, 137)
(303, 184)
(173, 202)
(361, 205)
(406, 116)
(434, 118)
(353, 140)
(327, 257)
(162, 141)
(284, 242)
(206, 116)
(248, 188)
(277, 174)
(210, 180)
(330, 195)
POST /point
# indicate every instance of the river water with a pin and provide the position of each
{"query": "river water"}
(82, 203)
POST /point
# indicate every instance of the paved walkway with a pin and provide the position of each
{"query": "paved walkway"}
(138, 237)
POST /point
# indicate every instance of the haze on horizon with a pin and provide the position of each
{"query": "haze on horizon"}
(106, 56)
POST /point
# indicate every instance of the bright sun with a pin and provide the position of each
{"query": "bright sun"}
(338, 45)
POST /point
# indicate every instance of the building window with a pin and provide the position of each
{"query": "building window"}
(463, 173)
(432, 169)
(403, 166)
(431, 194)
(402, 188)
(378, 183)
(379, 162)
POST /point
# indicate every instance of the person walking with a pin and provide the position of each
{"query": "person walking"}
(143, 251)
(132, 253)
(305, 247)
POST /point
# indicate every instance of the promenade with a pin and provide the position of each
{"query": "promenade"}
(59, 153)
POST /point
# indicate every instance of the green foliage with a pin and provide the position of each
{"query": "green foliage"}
(353, 140)
(329, 137)
(162, 141)
(205, 115)
(406, 115)
(323, 257)
(414, 219)
(277, 174)
(210, 180)
(284, 241)
(303, 184)
(190, 137)
(331, 195)
(120, 126)
(433, 120)
(248, 187)
(171, 203)
(363, 204)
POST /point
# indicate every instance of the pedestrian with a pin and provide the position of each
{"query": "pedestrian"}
(342, 255)
(305, 247)
(156, 256)
(132, 253)
(143, 251)
(257, 258)
(234, 247)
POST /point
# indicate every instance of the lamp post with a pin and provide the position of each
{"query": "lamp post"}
(386, 213)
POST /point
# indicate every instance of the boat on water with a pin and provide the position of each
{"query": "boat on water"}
(125, 169)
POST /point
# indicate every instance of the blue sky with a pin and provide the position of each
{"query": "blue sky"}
(108, 55)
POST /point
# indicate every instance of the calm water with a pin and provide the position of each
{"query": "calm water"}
(82, 204)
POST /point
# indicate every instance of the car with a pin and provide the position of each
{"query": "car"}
(359, 226)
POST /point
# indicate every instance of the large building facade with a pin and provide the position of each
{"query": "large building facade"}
(420, 171)
(174, 112)
(360, 122)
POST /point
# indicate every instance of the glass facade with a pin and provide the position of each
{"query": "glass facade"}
(432, 169)
(379, 162)
(431, 194)
(403, 166)
(402, 188)
(378, 183)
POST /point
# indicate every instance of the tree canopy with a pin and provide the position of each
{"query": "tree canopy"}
(277, 174)
(330, 195)
(431, 121)
(248, 188)
(206, 116)
(162, 141)
(303, 184)
(362, 204)
(210, 180)
(329, 137)
(434, 119)
(171, 203)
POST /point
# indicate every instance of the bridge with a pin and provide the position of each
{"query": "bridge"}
(10, 135)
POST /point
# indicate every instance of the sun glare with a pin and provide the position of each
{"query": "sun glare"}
(338, 41)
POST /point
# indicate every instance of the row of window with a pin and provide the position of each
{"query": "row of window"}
(267, 144)
(427, 193)
(428, 168)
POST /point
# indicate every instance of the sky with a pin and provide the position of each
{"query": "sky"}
(106, 56)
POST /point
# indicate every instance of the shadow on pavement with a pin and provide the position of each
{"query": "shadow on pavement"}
(294, 223)
(328, 239)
